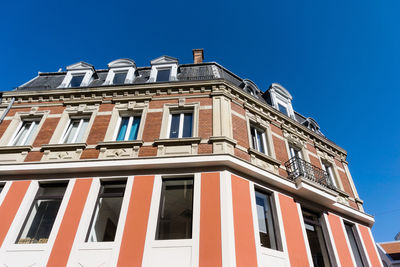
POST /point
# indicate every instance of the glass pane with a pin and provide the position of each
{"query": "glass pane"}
(119, 77)
(76, 80)
(31, 133)
(134, 128)
(82, 131)
(187, 125)
(253, 138)
(71, 131)
(282, 109)
(122, 128)
(176, 206)
(353, 244)
(22, 133)
(174, 131)
(163, 75)
(105, 219)
(39, 222)
(265, 221)
(260, 141)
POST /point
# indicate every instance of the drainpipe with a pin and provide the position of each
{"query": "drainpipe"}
(7, 109)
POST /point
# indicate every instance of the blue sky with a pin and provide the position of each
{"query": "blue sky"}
(339, 59)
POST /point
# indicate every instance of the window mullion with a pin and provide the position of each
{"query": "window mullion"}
(129, 127)
(77, 131)
(18, 134)
(180, 125)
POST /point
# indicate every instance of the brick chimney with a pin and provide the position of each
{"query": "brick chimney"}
(198, 56)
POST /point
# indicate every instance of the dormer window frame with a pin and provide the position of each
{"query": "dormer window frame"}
(78, 69)
(163, 63)
(119, 66)
(281, 97)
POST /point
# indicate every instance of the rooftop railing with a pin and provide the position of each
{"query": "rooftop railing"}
(297, 167)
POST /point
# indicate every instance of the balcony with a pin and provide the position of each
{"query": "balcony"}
(299, 168)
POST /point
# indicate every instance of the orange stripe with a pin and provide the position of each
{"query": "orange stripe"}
(340, 241)
(293, 231)
(245, 244)
(370, 246)
(69, 225)
(10, 206)
(134, 237)
(210, 221)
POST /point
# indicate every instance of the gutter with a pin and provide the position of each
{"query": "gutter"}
(7, 109)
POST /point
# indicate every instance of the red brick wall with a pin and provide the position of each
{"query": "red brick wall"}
(34, 156)
(106, 107)
(239, 126)
(148, 151)
(205, 149)
(311, 149)
(3, 127)
(152, 126)
(90, 154)
(205, 123)
(346, 183)
(315, 161)
(15, 110)
(280, 149)
(46, 132)
(160, 103)
(98, 129)
(53, 110)
(242, 155)
(238, 108)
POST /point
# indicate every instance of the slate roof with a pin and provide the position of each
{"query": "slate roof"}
(186, 72)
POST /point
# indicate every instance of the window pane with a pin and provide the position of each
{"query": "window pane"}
(82, 130)
(163, 75)
(122, 128)
(119, 77)
(187, 125)
(282, 109)
(39, 222)
(71, 131)
(76, 80)
(265, 221)
(260, 142)
(353, 244)
(176, 206)
(134, 128)
(22, 133)
(106, 214)
(174, 131)
(253, 137)
(31, 132)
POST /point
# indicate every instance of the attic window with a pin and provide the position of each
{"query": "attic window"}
(76, 80)
(78, 75)
(163, 69)
(281, 99)
(163, 75)
(283, 109)
(121, 71)
(119, 77)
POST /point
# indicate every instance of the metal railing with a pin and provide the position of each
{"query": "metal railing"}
(298, 167)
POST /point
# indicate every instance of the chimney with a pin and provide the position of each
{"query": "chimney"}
(198, 56)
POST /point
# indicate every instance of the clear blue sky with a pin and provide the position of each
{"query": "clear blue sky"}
(339, 59)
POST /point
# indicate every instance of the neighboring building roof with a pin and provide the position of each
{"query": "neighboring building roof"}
(186, 72)
(392, 249)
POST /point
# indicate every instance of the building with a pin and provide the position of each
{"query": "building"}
(171, 165)
(390, 252)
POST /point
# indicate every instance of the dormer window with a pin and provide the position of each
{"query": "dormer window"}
(163, 75)
(121, 71)
(164, 69)
(281, 99)
(250, 87)
(78, 75)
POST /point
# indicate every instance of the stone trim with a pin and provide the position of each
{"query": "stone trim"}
(265, 157)
(14, 149)
(62, 147)
(119, 149)
(177, 141)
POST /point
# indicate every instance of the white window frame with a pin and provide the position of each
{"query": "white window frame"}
(18, 132)
(181, 120)
(265, 146)
(128, 131)
(330, 171)
(80, 68)
(118, 66)
(279, 95)
(164, 62)
(69, 128)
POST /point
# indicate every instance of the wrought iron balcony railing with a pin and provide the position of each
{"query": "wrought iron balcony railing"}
(297, 167)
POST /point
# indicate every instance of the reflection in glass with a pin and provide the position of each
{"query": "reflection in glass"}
(265, 220)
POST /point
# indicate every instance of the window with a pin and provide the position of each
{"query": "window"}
(283, 109)
(316, 241)
(106, 213)
(1, 187)
(180, 125)
(119, 77)
(163, 75)
(24, 133)
(353, 244)
(265, 220)
(258, 140)
(176, 209)
(75, 131)
(41, 217)
(328, 168)
(128, 128)
(76, 80)
(295, 152)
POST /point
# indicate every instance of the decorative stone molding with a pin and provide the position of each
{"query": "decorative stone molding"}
(119, 149)
(294, 139)
(223, 145)
(54, 152)
(264, 161)
(12, 154)
(177, 146)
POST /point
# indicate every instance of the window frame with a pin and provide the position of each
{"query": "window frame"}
(158, 69)
(329, 168)
(170, 108)
(181, 113)
(127, 133)
(256, 129)
(358, 241)
(82, 74)
(35, 121)
(69, 124)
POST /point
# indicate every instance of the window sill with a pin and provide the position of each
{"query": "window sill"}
(119, 144)
(15, 149)
(264, 157)
(177, 141)
(61, 147)
(214, 139)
